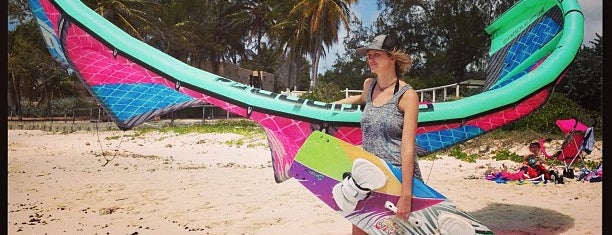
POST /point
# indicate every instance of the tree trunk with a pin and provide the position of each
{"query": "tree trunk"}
(80, 90)
(15, 95)
(290, 74)
(315, 69)
(298, 69)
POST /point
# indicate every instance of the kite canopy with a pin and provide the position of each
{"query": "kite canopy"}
(531, 46)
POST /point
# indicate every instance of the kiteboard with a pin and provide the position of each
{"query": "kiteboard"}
(363, 188)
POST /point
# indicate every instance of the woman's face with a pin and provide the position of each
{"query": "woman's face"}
(379, 60)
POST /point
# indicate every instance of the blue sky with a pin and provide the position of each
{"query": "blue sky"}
(367, 11)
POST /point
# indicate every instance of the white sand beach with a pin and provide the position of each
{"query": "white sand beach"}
(165, 183)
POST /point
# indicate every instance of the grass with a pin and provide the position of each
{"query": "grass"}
(247, 128)
(244, 127)
(252, 130)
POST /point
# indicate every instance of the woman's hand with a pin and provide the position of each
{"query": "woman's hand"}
(404, 207)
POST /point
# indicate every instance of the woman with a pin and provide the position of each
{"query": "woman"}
(389, 119)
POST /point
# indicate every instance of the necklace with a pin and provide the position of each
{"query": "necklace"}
(387, 86)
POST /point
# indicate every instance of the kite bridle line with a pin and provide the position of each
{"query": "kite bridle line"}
(430, 169)
(102, 149)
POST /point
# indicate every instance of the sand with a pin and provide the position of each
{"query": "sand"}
(165, 183)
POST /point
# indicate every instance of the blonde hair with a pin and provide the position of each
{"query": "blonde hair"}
(403, 62)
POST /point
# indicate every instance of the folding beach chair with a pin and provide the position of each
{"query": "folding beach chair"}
(578, 139)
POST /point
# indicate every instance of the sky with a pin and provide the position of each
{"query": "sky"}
(367, 11)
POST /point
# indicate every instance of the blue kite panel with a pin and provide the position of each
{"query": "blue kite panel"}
(131, 100)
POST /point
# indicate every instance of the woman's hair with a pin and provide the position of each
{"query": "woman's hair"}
(403, 62)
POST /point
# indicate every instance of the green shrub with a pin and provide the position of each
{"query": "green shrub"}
(457, 153)
(57, 107)
(505, 154)
(429, 157)
(324, 92)
(557, 107)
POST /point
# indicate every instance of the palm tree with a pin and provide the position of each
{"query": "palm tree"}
(295, 38)
(220, 37)
(257, 15)
(172, 31)
(129, 15)
(324, 18)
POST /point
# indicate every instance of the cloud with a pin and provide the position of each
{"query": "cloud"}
(593, 17)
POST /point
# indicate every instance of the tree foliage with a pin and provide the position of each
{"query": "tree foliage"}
(34, 77)
(18, 11)
(130, 15)
(325, 92)
(446, 39)
(583, 81)
(559, 106)
(349, 71)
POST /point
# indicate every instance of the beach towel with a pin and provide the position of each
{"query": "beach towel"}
(504, 177)
(594, 175)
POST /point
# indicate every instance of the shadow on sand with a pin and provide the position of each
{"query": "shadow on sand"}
(507, 219)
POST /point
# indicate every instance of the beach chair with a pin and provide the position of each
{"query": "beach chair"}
(578, 139)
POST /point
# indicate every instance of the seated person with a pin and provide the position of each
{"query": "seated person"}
(534, 167)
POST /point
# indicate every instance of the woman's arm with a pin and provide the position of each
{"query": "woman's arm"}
(409, 104)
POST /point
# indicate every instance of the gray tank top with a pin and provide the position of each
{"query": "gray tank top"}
(382, 129)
